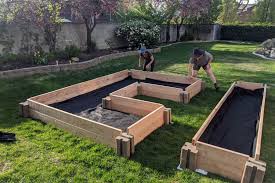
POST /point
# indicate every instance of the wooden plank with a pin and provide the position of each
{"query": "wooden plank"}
(221, 161)
(84, 123)
(80, 88)
(128, 91)
(211, 116)
(171, 78)
(260, 129)
(249, 85)
(97, 137)
(194, 89)
(132, 106)
(148, 124)
(162, 92)
(140, 75)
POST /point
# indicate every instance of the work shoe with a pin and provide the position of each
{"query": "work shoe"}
(216, 87)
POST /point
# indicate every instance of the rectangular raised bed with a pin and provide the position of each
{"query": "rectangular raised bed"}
(229, 141)
(180, 88)
(61, 108)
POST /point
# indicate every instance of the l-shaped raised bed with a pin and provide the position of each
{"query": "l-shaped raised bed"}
(229, 141)
(64, 108)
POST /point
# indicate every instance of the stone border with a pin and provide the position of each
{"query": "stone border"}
(262, 56)
(68, 67)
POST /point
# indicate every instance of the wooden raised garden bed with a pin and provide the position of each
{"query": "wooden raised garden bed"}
(229, 141)
(64, 107)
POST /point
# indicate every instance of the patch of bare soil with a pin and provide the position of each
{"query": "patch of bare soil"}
(112, 118)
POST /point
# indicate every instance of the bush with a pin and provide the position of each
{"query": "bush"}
(72, 51)
(257, 33)
(139, 31)
(12, 58)
(39, 58)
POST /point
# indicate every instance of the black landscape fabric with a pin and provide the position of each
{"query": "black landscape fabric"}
(157, 82)
(94, 98)
(234, 126)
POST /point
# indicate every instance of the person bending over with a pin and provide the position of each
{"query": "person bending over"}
(148, 59)
(201, 58)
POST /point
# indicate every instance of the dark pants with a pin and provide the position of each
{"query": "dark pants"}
(151, 68)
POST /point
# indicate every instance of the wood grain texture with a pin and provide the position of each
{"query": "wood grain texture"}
(101, 130)
(194, 89)
(226, 163)
(128, 91)
(163, 77)
(260, 129)
(93, 135)
(249, 85)
(144, 127)
(80, 88)
(132, 106)
(162, 92)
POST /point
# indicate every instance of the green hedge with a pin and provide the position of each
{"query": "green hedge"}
(247, 32)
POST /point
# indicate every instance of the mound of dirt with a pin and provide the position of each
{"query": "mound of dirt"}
(112, 118)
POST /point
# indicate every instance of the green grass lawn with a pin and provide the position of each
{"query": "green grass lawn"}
(43, 153)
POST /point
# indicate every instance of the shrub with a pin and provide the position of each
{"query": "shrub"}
(72, 51)
(12, 58)
(257, 33)
(39, 58)
(139, 31)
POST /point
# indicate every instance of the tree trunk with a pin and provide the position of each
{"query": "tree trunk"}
(178, 29)
(50, 37)
(168, 32)
(90, 26)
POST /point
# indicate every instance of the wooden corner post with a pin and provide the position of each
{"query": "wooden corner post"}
(125, 145)
(167, 116)
(24, 109)
(185, 97)
(188, 157)
(254, 171)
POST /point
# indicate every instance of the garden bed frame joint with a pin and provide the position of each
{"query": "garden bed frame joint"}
(24, 109)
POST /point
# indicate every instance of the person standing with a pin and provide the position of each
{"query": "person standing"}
(201, 58)
(147, 58)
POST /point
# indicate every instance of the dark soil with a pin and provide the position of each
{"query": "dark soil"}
(109, 117)
(25, 61)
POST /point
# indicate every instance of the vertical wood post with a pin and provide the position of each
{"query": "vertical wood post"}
(132, 143)
(24, 109)
(123, 146)
(254, 171)
(188, 158)
(167, 116)
(106, 103)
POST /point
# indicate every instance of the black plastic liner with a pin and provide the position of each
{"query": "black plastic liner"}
(234, 126)
(94, 98)
(157, 82)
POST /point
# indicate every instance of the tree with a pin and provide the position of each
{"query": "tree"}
(42, 14)
(265, 11)
(193, 11)
(89, 11)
